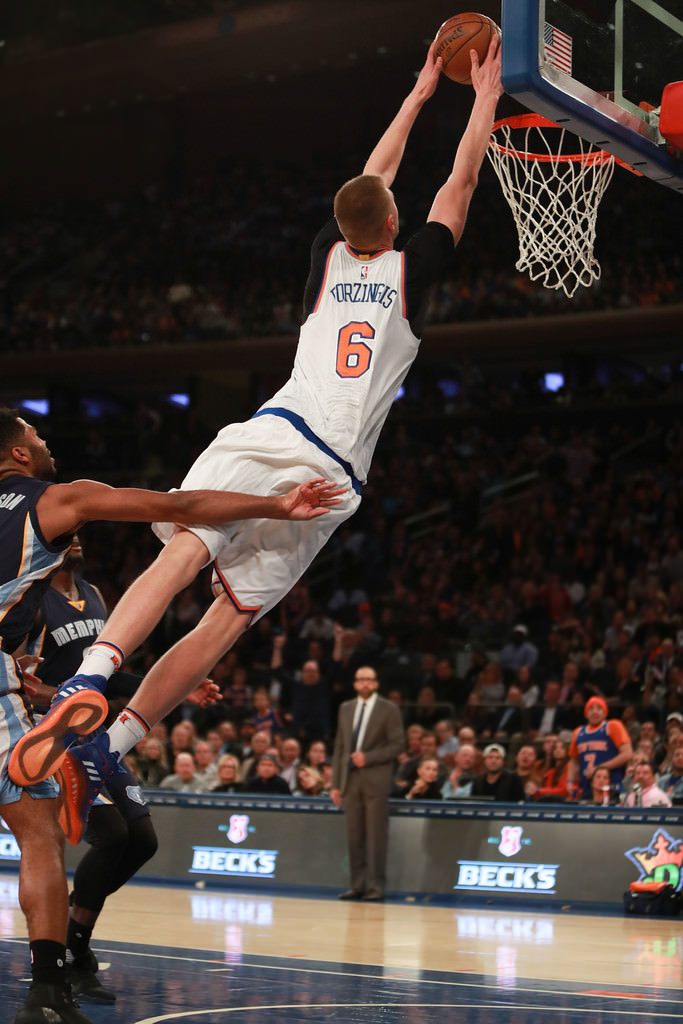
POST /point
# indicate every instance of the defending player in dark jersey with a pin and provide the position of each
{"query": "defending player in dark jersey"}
(37, 522)
(119, 831)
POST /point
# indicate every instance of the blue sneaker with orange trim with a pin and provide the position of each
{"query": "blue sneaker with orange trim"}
(83, 773)
(77, 709)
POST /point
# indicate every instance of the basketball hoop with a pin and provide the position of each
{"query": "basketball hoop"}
(554, 197)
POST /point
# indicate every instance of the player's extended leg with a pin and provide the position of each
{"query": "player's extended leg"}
(189, 661)
(44, 901)
(86, 768)
(78, 706)
(147, 598)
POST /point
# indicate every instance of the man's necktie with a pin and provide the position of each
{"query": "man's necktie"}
(357, 728)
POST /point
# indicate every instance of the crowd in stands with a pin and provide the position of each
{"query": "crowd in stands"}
(490, 622)
(217, 260)
(533, 767)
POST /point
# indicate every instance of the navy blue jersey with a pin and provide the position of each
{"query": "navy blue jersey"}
(67, 629)
(63, 631)
(27, 560)
(593, 745)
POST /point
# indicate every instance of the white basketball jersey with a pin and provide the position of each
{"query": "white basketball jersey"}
(354, 351)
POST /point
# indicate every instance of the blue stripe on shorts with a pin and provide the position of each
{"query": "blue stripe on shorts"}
(299, 423)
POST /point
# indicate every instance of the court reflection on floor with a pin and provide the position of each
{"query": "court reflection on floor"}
(202, 956)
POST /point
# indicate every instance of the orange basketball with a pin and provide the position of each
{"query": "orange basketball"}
(457, 37)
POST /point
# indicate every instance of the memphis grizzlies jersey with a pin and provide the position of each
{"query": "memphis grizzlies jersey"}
(67, 629)
(27, 560)
(357, 343)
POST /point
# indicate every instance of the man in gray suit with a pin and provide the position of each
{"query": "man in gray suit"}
(369, 738)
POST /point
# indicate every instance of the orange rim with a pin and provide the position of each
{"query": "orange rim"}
(597, 156)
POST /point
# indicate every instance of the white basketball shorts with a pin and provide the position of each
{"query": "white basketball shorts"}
(257, 561)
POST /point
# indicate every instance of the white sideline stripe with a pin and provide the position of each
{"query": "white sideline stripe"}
(332, 1006)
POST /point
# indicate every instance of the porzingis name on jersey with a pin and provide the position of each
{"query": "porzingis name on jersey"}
(77, 630)
(364, 291)
(11, 500)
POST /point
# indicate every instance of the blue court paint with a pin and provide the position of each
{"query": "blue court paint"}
(158, 984)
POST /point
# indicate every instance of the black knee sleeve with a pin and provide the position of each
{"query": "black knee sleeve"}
(117, 850)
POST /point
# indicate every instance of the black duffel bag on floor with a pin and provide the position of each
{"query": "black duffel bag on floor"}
(658, 899)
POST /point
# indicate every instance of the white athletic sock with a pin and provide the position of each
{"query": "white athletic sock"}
(128, 729)
(102, 659)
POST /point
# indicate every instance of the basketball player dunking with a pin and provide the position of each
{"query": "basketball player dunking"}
(364, 306)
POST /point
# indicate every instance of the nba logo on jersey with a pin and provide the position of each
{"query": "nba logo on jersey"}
(237, 832)
(364, 273)
(510, 840)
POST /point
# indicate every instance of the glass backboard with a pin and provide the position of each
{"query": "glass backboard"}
(590, 64)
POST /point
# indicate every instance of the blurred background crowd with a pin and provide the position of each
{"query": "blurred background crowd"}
(487, 578)
(151, 268)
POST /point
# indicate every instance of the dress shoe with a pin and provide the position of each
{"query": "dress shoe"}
(373, 895)
(351, 894)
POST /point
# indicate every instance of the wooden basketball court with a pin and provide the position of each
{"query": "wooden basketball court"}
(203, 955)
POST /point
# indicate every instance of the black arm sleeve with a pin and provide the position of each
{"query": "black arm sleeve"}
(429, 255)
(322, 244)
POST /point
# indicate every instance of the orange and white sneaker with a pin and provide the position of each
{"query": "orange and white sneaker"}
(76, 710)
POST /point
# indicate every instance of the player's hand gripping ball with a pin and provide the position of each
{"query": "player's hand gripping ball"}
(456, 37)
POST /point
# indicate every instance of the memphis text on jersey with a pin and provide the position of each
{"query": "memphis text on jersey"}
(76, 630)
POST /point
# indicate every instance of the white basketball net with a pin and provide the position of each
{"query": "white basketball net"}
(554, 198)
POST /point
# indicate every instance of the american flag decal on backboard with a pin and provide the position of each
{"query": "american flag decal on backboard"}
(558, 48)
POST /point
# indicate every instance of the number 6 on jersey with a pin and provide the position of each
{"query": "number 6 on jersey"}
(353, 356)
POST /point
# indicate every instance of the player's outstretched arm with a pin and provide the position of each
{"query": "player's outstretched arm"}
(63, 508)
(452, 201)
(387, 154)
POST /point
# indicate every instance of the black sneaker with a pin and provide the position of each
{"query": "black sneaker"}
(91, 959)
(50, 1004)
(85, 984)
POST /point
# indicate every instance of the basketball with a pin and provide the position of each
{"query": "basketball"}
(456, 37)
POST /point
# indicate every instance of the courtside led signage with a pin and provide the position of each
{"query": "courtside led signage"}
(661, 861)
(502, 876)
(242, 862)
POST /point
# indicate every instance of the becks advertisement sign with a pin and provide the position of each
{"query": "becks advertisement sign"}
(496, 876)
(242, 862)
(213, 860)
